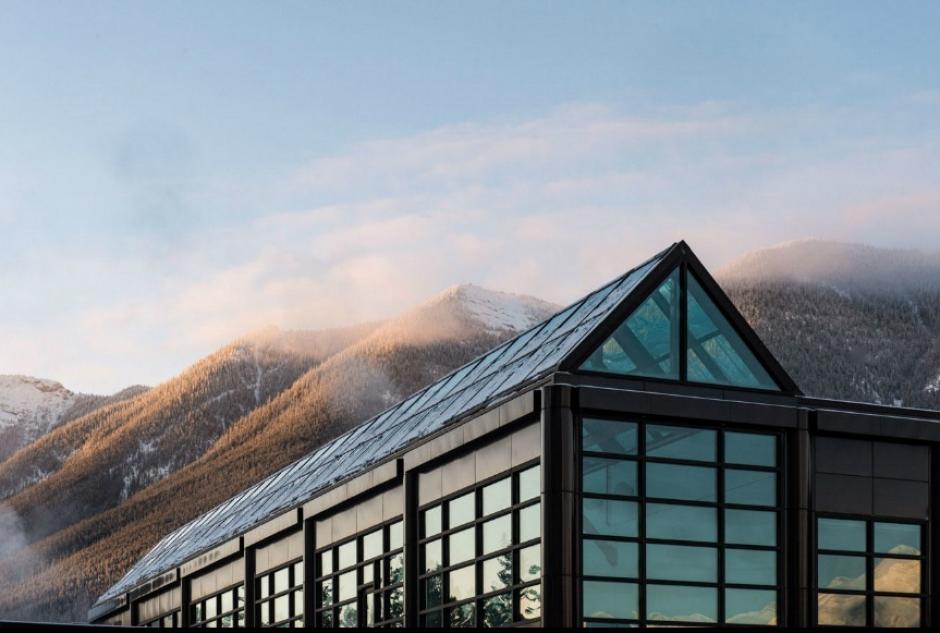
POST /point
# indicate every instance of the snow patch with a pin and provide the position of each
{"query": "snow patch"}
(501, 311)
(33, 405)
(933, 386)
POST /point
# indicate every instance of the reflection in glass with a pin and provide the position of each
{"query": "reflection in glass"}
(530, 483)
(747, 606)
(897, 575)
(530, 522)
(530, 563)
(609, 476)
(609, 558)
(673, 481)
(609, 436)
(840, 609)
(462, 583)
(497, 496)
(841, 572)
(682, 562)
(678, 442)
(897, 538)
(497, 611)
(530, 602)
(750, 567)
(348, 616)
(678, 522)
(750, 487)
(497, 534)
(326, 593)
(326, 563)
(609, 518)
(347, 554)
(750, 527)
(462, 546)
(461, 616)
(281, 608)
(433, 591)
(461, 510)
(497, 573)
(396, 535)
(372, 545)
(681, 604)
(897, 612)
(751, 449)
(347, 586)
(841, 535)
(610, 600)
(432, 521)
(432, 555)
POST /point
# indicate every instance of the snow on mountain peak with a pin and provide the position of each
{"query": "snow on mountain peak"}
(500, 311)
(32, 401)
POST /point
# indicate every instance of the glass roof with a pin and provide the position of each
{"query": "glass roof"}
(501, 373)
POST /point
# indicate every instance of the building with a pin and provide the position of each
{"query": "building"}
(639, 458)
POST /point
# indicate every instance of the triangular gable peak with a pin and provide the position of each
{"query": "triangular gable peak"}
(678, 325)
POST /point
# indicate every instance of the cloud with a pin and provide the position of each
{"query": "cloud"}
(553, 206)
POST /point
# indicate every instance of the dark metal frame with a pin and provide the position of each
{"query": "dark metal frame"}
(294, 584)
(515, 589)
(642, 500)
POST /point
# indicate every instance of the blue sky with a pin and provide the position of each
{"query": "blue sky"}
(175, 174)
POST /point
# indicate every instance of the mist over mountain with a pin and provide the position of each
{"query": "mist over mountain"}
(847, 321)
(122, 473)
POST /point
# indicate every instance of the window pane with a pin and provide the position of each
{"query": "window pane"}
(326, 562)
(750, 487)
(530, 563)
(897, 538)
(530, 483)
(609, 476)
(530, 602)
(347, 554)
(372, 545)
(745, 606)
(681, 604)
(461, 510)
(610, 600)
(326, 593)
(609, 436)
(897, 575)
(841, 572)
(497, 573)
(432, 591)
(897, 612)
(671, 481)
(396, 569)
(750, 449)
(609, 558)
(716, 353)
(282, 608)
(530, 522)
(282, 580)
(348, 616)
(462, 583)
(462, 545)
(683, 523)
(462, 616)
(841, 534)
(497, 611)
(298, 572)
(497, 534)
(647, 343)
(432, 521)
(347, 586)
(682, 562)
(750, 527)
(432, 556)
(228, 601)
(680, 442)
(750, 567)
(497, 496)
(840, 610)
(609, 518)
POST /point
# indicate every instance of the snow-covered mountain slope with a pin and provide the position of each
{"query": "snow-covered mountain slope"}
(848, 321)
(31, 407)
(497, 311)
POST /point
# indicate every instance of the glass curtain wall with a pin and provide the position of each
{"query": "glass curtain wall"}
(280, 596)
(679, 525)
(225, 610)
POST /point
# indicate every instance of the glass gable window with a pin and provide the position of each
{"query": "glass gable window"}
(716, 352)
(647, 343)
(678, 527)
(869, 573)
(225, 610)
(480, 555)
(360, 583)
(280, 597)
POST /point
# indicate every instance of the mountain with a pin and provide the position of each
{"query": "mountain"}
(31, 407)
(72, 560)
(847, 321)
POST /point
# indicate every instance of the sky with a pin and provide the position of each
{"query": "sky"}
(174, 175)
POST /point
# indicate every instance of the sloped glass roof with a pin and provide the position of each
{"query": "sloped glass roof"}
(501, 373)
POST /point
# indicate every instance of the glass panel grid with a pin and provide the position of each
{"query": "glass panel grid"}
(224, 610)
(695, 553)
(868, 572)
(360, 582)
(280, 596)
(483, 569)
